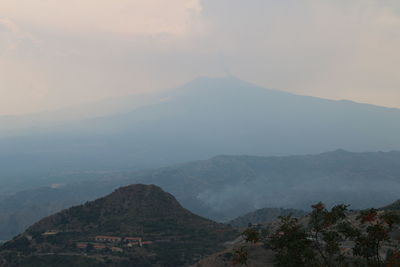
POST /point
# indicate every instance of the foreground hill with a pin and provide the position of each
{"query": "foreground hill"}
(225, 187)
(201, 119)
(138, 224)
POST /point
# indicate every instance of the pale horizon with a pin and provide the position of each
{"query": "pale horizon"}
(57, 55)
(70, 107)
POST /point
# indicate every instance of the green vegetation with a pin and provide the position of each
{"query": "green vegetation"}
(332, 238)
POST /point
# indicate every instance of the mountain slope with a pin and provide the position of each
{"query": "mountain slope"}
(16, 125)
(204, 118)
(393, 206)
(264, 215)
(175, 236)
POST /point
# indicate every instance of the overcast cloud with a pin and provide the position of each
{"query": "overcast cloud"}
(58, 53)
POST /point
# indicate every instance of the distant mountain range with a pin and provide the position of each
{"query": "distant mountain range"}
(225, 187)
(14, 125)
(137, 224)
(201, 119)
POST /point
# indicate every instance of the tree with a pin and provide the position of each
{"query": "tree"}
(323, 238)
(374, 230)
(292, 244)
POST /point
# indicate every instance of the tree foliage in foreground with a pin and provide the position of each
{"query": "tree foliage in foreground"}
(331, 238)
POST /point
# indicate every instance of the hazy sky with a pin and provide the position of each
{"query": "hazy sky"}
(56, 53)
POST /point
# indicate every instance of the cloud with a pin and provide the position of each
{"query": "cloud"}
(8, 25)
(88, 50)
(11, 35)
(117, 16)
(77, 51)
(335, 49)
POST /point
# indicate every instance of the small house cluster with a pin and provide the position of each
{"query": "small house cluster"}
(102, 242)
(114, 243)
(130, 241)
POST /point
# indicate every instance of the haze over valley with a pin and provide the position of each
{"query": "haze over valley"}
(199, 133)
(202, 119)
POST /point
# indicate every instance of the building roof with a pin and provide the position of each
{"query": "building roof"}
(107, 237)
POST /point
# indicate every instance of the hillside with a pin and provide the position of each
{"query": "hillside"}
(204, 118)
(258, 256)
(264, 215)
(21, 210)
(393, 206)
(160, 232)
(211, 188)
(268, 243)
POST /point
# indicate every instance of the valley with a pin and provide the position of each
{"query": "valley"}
(211, 187)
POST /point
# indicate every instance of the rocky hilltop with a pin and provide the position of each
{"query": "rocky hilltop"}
(138, 224)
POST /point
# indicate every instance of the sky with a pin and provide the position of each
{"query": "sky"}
(55, 54)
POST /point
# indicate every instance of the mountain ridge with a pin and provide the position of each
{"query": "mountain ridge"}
(197, 121)
(211, 187)
(264, 215)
